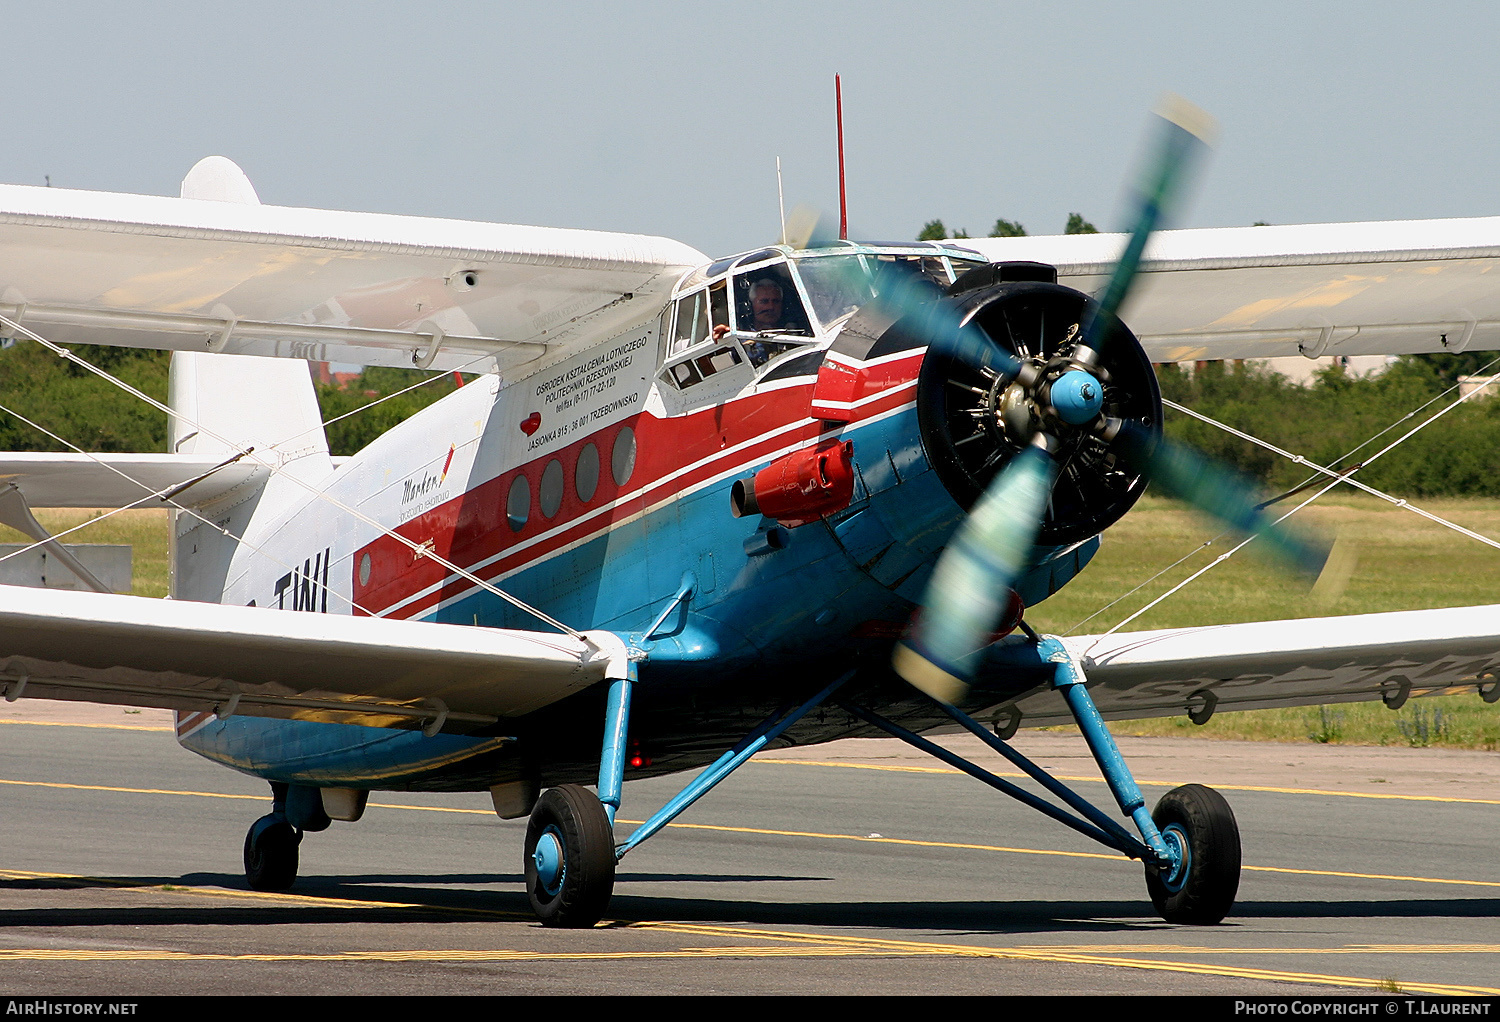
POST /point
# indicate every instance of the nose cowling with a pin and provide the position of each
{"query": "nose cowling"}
(974, 418)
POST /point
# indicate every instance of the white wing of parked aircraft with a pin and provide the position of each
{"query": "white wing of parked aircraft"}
(203, 274)
(1313, 289)
(354, 670)
(379, 672)
(1279, 663)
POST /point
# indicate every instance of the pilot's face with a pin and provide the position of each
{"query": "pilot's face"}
(766, 302)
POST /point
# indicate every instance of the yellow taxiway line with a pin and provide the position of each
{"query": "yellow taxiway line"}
(780, 944)
(1157, 784)
(942, 770)
(816, 835)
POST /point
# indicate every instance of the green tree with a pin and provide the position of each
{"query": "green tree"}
(361, 428)
(933, 231)
(1442, 370)
(79, 406)
(1007, 229)
(1078, 225)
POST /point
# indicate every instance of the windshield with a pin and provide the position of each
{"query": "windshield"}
(836, 285)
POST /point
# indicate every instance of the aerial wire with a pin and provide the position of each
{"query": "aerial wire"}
(1293, 491)
(323, 495)
(1337, 480)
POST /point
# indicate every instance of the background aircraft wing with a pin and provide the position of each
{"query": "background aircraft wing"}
(1261, 664)
(203, 274)
(1316, 289)
(133, 651)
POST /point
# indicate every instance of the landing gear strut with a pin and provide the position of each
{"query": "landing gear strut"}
(1190, 844)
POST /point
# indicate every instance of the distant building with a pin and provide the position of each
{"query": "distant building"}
(1469, 384)
(322, 373)
(1301, 370)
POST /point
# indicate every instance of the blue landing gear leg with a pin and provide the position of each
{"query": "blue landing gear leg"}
(570, 845)
(1194, 873)
(271, 847)
(1190, 845)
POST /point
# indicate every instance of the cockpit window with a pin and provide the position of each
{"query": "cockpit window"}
(962, 266)
(692, 322)
(768, 312)
(901, 268)
(836, 285)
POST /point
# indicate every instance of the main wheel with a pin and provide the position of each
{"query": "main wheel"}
(271, 853)
(1201, 889)
(570, 857)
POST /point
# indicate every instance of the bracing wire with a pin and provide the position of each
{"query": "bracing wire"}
(276, 466)
(160, 495)
(1338, 478)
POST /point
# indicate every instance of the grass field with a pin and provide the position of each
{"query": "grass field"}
(1405, 563)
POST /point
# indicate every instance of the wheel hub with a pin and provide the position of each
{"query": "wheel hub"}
(551, 866)
(1174, 874)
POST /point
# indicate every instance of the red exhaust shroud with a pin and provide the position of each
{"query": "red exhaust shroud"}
(800, 487)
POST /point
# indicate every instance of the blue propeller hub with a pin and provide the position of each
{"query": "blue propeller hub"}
(1077, 396)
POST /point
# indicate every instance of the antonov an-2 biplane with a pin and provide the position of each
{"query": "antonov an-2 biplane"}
(684, 496)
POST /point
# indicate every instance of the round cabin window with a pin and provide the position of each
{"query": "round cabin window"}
(550, 494)
(364, 570)
(622, 460)
(518, 504)
(586, 474)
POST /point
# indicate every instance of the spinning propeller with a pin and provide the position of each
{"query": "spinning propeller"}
(1052, 407)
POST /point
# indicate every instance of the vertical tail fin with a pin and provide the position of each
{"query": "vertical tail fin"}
(225, 404)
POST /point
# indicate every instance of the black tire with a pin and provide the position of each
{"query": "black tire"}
(1203, 892)
(271, 854)
(575, 817)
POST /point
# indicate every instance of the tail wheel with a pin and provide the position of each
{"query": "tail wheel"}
(271, 854)
(570, 857)
(1201, 889)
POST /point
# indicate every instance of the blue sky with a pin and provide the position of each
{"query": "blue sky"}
(667, 118)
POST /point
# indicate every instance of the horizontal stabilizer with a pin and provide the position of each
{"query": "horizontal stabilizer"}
(118, 480)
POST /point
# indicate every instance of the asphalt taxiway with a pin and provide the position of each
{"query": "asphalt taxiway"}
(858, 867)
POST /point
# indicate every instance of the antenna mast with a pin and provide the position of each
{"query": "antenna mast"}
(781, 202)
(838, 102)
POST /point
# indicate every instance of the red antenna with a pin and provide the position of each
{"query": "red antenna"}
(838, 102)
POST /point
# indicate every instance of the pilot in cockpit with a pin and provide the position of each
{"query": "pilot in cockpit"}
(767, 313)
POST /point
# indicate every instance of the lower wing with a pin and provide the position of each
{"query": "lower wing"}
(200, 657)
(1280, 663)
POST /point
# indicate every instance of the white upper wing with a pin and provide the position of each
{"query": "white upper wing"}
(356, 670)
(1281, 663)
(239, 277)
(1316, 289)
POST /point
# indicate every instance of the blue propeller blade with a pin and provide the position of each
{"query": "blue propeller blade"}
(971, 584)
(1219, 492)
(1185, 132)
